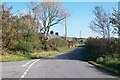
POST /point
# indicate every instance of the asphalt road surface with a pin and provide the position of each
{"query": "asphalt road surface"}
(65, 65)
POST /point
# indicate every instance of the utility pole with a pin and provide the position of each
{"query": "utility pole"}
(80, 34)
(118, 18)
(65, 29)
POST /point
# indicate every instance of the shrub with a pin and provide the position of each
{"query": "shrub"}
(116, 46)
(24, 46)
(96, 47)
(45, 46)
(102, 47)
(109, 61)
(104, 51)
(27, 43)
(72, 43)
(100, 60)
(57, 42)
(54, 44)
(35, 41)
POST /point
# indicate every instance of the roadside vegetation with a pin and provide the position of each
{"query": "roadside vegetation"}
(19, 56)
(26, 36)
(104, 52)
(46, 49)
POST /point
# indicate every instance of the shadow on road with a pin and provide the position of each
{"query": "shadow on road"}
(74, 54)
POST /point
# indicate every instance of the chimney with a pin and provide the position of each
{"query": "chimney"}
(57, 34)
(52, 32)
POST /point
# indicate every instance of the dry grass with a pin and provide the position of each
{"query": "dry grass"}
(17, 56)
(12, 57)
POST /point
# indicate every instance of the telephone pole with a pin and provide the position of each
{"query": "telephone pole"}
(118, 18)
(65, 29)
(80, 34)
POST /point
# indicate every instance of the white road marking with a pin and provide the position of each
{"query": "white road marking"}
(28, 63)
(22, 76)
(29, 68)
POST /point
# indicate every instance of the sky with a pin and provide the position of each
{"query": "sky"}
(81, 14)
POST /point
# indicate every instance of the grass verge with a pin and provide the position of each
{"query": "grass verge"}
(13, 57)
(104, 68)
(20, 57)
(45, 54)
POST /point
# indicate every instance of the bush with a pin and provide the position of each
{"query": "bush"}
(45, 46)
(54, 44)
(102, 47)
(95, 48)
(35, 41)
(72, 43)
(109, 61)
(98, 46)
(100, 60)
(104, 51)
(58, 42)
(116, 46)
(24, 46)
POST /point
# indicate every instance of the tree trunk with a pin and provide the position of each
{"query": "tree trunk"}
(119, 33)
(103, 33)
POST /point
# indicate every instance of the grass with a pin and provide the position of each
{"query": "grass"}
(7, 57)
(63, 49)
(105, 68)
(110, 64)
(13, 57)
(45, 54)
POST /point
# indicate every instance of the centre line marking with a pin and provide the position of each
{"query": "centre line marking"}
(28, 63)
(29, 68)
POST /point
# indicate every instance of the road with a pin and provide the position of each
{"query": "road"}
(66, 65)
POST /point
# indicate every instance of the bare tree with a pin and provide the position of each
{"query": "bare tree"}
(115, 20)
(101, 23)
(48, 14)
